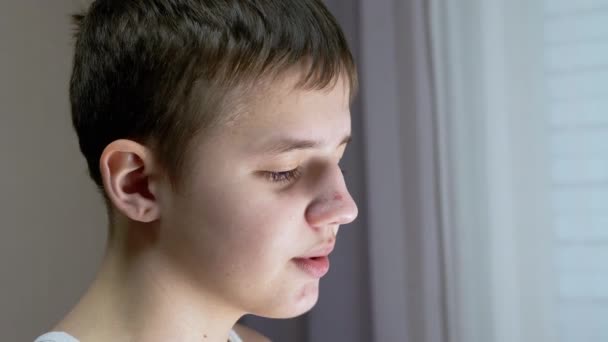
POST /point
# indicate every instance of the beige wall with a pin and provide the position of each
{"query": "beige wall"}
(52, 221)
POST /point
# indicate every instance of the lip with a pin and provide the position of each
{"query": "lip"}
(315, 262)
(316, 267)
(322, 251)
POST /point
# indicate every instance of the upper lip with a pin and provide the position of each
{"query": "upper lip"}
(320, 251)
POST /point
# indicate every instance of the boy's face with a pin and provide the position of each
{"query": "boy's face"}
(233, 231)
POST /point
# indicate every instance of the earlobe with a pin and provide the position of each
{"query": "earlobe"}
(127, 170)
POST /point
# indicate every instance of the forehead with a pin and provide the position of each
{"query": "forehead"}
(281, 108)
(276, 115)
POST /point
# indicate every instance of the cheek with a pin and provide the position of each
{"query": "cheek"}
(240, 246)
(259, 227)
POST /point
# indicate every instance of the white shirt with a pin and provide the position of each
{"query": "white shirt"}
(59, 336)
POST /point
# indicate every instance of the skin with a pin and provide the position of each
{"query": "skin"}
(186, 264)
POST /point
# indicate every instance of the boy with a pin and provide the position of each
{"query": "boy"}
(214, 129)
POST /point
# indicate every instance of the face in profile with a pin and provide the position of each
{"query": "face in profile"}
(263, 201)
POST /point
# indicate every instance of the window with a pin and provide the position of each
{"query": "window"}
(522, 89)
(576, 65)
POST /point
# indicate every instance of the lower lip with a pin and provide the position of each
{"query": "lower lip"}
(316, 267)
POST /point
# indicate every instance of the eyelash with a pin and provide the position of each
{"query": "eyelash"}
(288, 176)
(283, 176)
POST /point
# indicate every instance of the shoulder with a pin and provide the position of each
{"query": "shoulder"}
(249, 335)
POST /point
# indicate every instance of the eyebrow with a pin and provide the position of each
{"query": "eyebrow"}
(286, 144)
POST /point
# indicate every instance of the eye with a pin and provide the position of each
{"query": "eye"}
(283, 176)
(288, 176)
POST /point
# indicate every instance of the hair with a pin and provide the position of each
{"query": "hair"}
(161, 71)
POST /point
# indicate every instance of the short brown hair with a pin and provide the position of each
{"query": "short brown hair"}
(160, 71)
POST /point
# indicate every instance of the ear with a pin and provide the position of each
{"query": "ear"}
(127, 170)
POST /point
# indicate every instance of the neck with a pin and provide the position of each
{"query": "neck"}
(139, 296)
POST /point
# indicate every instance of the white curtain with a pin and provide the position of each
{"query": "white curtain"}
(522, 123)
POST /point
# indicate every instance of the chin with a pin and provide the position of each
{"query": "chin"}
(299, 304)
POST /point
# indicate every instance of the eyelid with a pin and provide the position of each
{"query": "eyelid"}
(287, 175)
(283, 176)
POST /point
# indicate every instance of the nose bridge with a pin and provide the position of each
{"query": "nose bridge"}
(333, 204)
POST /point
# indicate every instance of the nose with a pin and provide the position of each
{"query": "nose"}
(333, 205)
